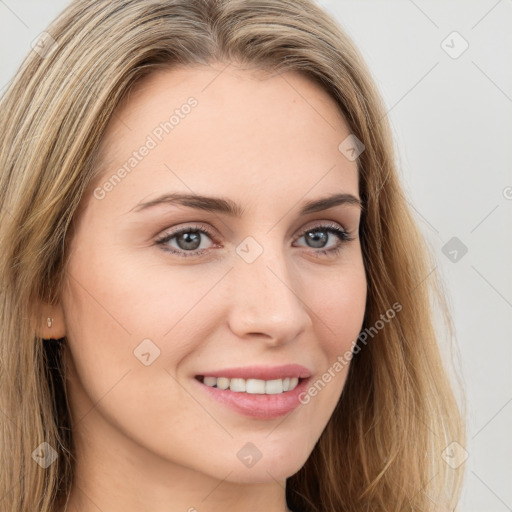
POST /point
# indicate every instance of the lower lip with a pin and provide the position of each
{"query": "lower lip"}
(260, 406)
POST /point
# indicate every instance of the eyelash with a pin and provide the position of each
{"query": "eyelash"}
(342, 235)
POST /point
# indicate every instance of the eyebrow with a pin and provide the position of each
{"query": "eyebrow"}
(229, 207)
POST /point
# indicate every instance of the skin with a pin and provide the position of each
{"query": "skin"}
(147, 437)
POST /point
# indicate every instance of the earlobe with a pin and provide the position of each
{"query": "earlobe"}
(51, 323)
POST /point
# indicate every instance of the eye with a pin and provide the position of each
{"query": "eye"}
(187, 241)
(318, 236)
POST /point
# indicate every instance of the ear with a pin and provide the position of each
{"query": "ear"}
(50, 321)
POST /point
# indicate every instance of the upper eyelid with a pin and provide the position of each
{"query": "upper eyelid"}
(212, 231)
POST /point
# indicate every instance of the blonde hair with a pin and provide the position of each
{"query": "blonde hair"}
(382, 449)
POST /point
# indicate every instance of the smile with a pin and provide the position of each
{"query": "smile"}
(251, 386)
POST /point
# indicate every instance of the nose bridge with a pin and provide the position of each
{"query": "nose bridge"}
(265, 298)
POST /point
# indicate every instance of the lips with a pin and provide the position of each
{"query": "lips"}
(256, 406)
(260, 372)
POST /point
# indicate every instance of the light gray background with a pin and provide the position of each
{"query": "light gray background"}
(452, 123)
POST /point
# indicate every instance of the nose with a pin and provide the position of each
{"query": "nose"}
(264, 302)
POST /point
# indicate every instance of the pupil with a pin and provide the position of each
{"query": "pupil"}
(191, 240)
(315, 237)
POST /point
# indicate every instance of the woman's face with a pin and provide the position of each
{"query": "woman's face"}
(148, 310)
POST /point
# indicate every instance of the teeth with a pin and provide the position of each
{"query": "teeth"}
(210, 381)
(253, 386)
(222, 383)
(237, 385)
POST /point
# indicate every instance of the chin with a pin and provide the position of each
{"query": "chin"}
(275, 466)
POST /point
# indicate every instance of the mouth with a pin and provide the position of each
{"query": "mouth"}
(252, 386)
(255, 398)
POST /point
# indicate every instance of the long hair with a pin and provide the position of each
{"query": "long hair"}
(385, 443)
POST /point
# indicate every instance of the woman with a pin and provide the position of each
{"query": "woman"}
(291, 362)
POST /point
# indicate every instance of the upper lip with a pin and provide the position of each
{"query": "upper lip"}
(261, 372)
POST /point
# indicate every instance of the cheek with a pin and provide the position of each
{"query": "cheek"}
(339, 305)
(124, 314)
(338, 308)
(130, 295)
(124, 368)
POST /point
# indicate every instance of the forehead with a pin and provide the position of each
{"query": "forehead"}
(248, 131)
